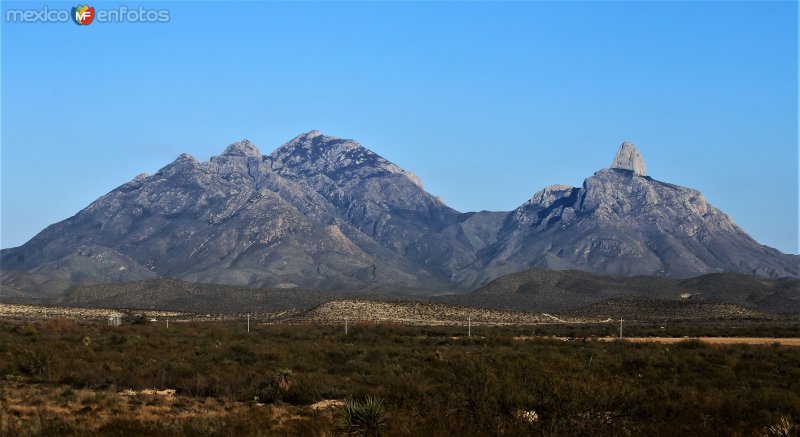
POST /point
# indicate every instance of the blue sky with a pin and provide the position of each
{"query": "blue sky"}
(487, 102)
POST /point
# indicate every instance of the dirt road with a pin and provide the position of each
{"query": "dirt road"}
(714, 340)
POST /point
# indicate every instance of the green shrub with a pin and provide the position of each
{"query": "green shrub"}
(363, 418)
(435, 384)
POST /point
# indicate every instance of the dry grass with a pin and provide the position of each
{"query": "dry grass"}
(65, 378)
(25, 405)
(42, 312)
(428, 314)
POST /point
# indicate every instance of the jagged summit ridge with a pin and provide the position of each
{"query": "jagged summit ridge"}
(242, 148)
(314, 152)
(629, 158)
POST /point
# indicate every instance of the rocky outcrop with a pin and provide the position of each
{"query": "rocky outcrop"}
(629, 158)
(244, 149)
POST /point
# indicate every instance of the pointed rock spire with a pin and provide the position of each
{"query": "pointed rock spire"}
(629, 158)
(242, 148)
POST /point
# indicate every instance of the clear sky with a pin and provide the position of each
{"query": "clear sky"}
(486, 102)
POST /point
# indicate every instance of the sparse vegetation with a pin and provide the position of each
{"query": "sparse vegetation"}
(785, 427)
(430, 380)
(363, 418)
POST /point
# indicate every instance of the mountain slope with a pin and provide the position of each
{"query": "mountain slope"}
(195, 297)
(385, 202)
(327, 213)
(540, 289)
(625, 223)
(231, 220)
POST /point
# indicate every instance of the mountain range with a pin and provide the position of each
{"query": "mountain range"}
(327, 213)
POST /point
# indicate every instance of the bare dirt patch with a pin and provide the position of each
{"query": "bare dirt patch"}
(713, 340)
(672, 340)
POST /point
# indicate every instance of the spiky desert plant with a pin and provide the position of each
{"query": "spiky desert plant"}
(363, 418)
(284, 380)
(784, 428)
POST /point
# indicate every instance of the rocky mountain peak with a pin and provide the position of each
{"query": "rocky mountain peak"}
(242, 148)
(183, 162)
(550, 193)
(185, 157)
(629, 158)
(309, 145)
(314, 152)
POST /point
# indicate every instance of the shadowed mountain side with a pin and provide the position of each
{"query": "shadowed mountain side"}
(168, 294)
(637, 308)
(15, 295)
(86, 264)
(550, 290)
(535, 290)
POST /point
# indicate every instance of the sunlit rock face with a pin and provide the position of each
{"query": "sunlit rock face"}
(629, 158)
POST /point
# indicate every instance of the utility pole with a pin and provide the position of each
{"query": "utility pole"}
(248, 323)
(345, 326)
(469, 326)
(620, 327)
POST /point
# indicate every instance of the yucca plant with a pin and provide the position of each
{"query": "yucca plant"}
(284, 380)
(363, 418)
(785, 427)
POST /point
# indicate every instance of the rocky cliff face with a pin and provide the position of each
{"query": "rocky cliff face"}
(327, 213)
(629, 158)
